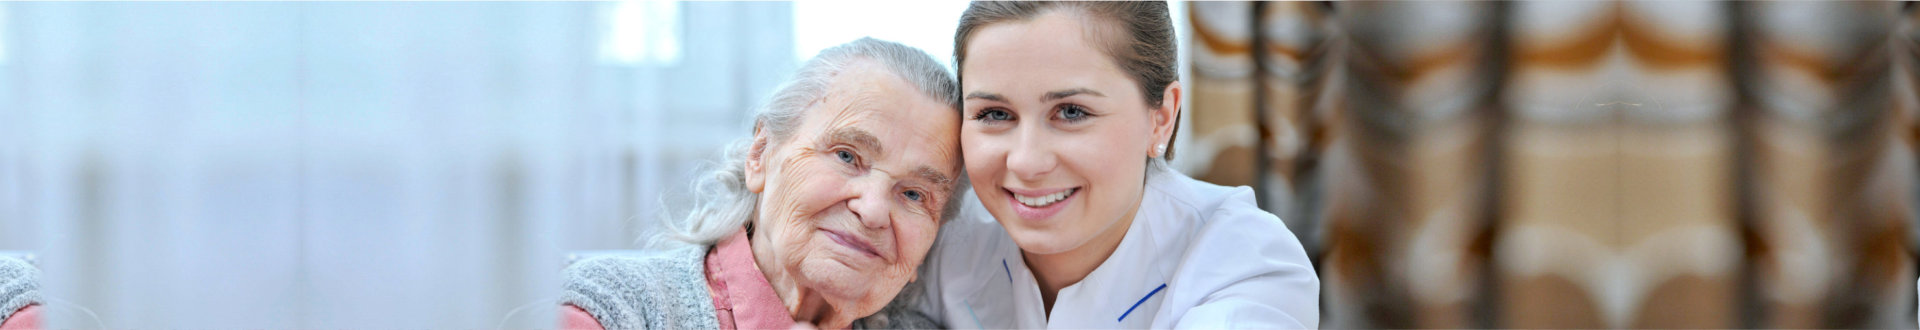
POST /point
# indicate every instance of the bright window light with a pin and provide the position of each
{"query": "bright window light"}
(927, 25)
(642, 33)
(3, 33)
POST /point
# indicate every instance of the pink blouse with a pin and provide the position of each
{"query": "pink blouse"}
(25, 318)
(741, 294)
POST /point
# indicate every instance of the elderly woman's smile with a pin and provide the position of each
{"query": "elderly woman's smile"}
(852, 242)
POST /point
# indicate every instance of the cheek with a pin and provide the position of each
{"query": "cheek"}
(805, 187)
(1098, 155)
(913, 238)
(981, 154)
(794, 200)
(978, 150)
(1110, 164)
(916, 239)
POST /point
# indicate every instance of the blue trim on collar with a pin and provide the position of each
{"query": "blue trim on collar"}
(976, 317)
(1136, 304)
(1003, 265)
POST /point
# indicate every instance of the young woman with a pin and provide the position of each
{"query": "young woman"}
(1075, 221)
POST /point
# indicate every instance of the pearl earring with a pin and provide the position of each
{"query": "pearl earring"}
(1160, 150)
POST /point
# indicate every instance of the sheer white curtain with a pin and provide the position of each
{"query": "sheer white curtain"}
(395, 165)
(688, 102)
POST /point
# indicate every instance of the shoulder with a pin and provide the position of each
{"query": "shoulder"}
(658, 289)
(1203, 199)
(1222, 223)
(1238, 264)
(19, 286)
(1190, 212)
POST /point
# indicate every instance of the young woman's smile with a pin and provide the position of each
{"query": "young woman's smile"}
(1040, 204)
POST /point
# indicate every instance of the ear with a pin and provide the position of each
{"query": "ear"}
(1166, 119)
(756, 171)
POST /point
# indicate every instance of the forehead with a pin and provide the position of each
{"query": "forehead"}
(1049, 51)
(906, 124)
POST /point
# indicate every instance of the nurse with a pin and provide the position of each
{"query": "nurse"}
(1075, 221)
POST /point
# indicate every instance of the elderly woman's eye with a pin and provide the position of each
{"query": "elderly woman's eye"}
(913, 195)
(845, 156)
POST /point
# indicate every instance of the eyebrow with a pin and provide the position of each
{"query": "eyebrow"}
(859, 138)
(1049, 97)
(987, 96)
(1061, 94)
(929, 174)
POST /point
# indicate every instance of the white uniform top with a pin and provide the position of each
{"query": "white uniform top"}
(1197, 255)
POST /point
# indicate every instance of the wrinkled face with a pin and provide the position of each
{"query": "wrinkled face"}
(851, 200)
(1055, 136)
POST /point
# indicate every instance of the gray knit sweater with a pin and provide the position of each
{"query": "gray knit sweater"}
(668, 290)
(19, 286)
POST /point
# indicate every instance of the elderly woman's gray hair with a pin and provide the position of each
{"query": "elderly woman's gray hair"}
(721, 202)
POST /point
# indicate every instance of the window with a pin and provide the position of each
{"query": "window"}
(821, 24)
(642, 33)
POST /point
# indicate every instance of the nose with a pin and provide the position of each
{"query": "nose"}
(872, 202)
(1030, 157)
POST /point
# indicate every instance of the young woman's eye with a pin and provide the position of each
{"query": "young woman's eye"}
(845, 156)
(993, 115)
(1071, 112)
(912, 195)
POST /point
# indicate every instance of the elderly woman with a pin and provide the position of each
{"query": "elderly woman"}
(820, 218)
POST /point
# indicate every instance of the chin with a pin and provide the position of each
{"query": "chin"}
(1042, 241)
(854, 296)
(836, 281)
(863, 303)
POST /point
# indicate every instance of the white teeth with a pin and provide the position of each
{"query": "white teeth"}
(1042, 201)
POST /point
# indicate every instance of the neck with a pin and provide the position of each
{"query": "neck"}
(1059, 270)
(805, 306)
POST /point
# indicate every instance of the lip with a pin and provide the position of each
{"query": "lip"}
(1035, 192)
(1038, 213)
(853, 242)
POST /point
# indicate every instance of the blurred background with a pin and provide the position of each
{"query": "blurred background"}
(1447, 164)
(1638, 164)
